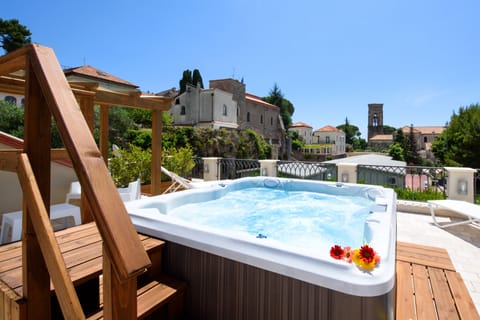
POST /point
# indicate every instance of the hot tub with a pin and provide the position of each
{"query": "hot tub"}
(228, 266)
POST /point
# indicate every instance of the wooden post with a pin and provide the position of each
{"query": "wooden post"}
(86, 106)
(104, 132)
(156, 151)
(119, 298)
(37, 143)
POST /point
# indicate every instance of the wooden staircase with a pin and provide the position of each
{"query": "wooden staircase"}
(158, 296)
(35, 72)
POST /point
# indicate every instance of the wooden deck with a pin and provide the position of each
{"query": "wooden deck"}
(81, 248)
(428, 287)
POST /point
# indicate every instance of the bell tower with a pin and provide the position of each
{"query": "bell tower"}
(375, 119)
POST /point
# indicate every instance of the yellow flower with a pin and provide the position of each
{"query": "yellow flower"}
(365, 258)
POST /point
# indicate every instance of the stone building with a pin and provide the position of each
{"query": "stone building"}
(304, 131)
(226, 104)
(377, 139)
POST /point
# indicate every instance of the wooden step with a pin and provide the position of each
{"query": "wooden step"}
(154, 295)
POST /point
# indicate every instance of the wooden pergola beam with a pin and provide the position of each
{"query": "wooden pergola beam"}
(14, 61)
(109, 98)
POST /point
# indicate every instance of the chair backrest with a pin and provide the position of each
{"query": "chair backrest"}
(132, 192)
(134, 188)
(74, 192)
(75, 187)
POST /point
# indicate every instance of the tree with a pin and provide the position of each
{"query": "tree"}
(359, 144)
(388, 129)
(410, 149)
(459, 144)
(396, 151)
(286, 107)
(13, 35)
(190, 78)
(351, 131)
(11, 119)
(197, 78)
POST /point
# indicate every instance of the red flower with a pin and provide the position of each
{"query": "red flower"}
(367, 254)
(337, 252)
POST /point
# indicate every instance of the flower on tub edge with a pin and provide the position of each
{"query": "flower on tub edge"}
(364, 257)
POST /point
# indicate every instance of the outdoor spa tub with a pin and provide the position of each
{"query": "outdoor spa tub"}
(259, 248)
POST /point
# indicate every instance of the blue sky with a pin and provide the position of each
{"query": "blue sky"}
(330, 58)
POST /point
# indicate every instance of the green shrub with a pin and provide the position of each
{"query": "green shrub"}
(179, 160)
(129, 165)
(418, 195)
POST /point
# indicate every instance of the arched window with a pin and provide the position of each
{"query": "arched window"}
(183, 110)
(248, 116)
(375, 120)
(224, 109)
(11, 99)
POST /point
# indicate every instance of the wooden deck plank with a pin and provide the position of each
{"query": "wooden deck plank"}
(405, 293)
(81, 247)
(424, 302)
(465, 307)
(424, 255)
(441, 292)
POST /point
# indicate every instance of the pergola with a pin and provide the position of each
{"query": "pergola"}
(91, 93)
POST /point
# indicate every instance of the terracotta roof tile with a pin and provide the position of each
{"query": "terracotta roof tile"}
(328, 129)
(424, 129)
(95, 73)
(382, 137)
(258, 100)
(300, 124)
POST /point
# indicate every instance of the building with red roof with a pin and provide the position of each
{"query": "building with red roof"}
(226, 104)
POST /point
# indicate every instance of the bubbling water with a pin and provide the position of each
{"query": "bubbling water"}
(302, 219)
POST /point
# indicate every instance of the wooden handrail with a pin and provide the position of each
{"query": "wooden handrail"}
(66, 295)
(124, 255)
(120, 238)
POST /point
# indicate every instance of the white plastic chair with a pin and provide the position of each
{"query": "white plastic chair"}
(132, 192)
(12, 221)
(75, 192)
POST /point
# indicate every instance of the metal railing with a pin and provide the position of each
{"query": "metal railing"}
(238, 168)
(197, 171)
(307, 170)
(408, 181)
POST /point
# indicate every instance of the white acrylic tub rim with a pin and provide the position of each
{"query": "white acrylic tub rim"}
(150, 216)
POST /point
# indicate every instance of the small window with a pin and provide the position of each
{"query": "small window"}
(177, 101)
(11, 99)
(261, 119)
(248, 116)
(23, 102)
(327, 139)
(271, 121)
(224, 109)
(183, 110)
(425, 139)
